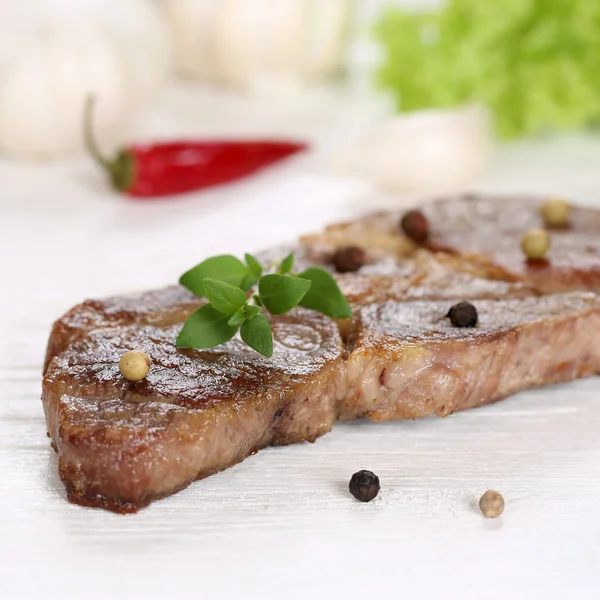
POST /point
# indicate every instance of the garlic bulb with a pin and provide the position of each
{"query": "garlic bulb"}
(423, 152)
(250, 42)
(54, 54)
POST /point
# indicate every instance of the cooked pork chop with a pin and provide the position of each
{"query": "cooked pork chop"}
(407, 360)
(122, 445)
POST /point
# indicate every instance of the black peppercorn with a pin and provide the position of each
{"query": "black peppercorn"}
(414, 224)
(463, 314)
(364, 486)
(348, 259)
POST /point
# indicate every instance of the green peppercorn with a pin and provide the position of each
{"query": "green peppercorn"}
(556, 212)
(134, 365)
(536, 243)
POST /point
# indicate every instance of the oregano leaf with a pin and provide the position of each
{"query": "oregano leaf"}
(237, 318)
(280, 293)
(225, 279)
(249, 281)
(324, 295)
(224, 267)
(287, 264)
(205, 328)
(226, 298)
(251, 311)
(254, 265)
(258, 335)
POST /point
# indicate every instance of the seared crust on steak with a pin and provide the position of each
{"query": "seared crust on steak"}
(425, 277)
(487, 231)
(123, 444)
(481, 235)
(166, 306)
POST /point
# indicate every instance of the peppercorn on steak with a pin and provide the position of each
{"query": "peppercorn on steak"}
(408, 360)
(404, 353)
(485, 235)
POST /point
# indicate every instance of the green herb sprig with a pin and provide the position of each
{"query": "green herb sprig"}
(227, 283)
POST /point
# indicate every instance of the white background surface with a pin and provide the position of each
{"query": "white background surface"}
(282, 523)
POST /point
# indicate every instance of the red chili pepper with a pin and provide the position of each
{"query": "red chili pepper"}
(176, 167)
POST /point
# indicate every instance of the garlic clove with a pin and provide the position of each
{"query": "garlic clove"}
(255, 40)
(424, 151)
(192, 31)
(246, 44)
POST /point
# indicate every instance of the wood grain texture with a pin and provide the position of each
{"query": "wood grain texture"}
(282, 523)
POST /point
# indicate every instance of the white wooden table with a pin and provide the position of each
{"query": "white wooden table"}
(282, 524)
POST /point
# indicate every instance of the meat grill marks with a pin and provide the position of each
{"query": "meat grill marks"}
(122, 445)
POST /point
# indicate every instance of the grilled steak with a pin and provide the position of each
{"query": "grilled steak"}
(407, 360)
(122, 444)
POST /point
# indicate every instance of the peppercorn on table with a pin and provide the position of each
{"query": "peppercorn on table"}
(283, 523)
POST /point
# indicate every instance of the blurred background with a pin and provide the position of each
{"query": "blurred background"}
(394, 102)
(415, 93)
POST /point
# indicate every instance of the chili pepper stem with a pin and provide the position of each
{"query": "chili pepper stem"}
(120, 169)
(88, 134)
